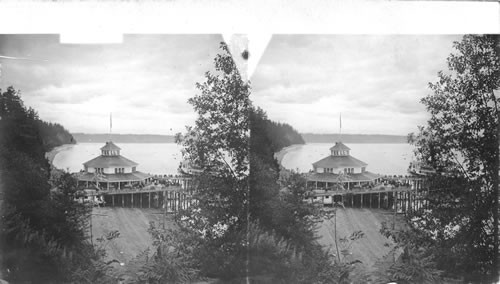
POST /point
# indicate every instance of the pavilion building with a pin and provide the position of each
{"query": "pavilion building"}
(111, 170)
(340, 169)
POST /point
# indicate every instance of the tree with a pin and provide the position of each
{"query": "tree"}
(218, 145)
(460, 141)
(42, 232)
(283, 236)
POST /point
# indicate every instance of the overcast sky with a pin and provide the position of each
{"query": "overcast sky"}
(145, 82)
(376, 82)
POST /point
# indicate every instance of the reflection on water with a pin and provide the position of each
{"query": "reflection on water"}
(387, 159)
(154, 158)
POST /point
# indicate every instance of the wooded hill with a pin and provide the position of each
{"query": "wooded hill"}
(354, 138)
(43, 231)
(123, 138)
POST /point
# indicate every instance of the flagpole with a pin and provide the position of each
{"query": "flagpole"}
(110, 125)
(340, 131)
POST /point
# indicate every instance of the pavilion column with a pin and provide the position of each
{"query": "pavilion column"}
(395, 201)
(87, 184)
(107, 185)
(119, 186)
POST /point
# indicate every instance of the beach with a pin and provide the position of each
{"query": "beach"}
(281, 154)
(53, 153)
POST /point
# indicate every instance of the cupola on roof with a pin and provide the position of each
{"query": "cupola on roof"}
(339, 149)
(340, 146)
(110, 146)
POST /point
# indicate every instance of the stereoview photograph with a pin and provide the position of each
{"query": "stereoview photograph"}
(340, 159)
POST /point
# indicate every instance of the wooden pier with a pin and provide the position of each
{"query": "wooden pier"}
(171, 198)
(401, 200)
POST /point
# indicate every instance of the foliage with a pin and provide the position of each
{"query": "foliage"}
(279, 135)
(173, 259)
(53, 135)
(218, 145)
(42, 232)
(409, 261)
(92, 267)
(240, 224)
(460, 141)
(283, 223)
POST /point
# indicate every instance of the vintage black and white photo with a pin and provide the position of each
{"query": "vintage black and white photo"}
(339, 159)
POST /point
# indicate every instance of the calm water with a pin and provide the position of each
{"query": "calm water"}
(154, 158)
(164, 158)
(390, 159)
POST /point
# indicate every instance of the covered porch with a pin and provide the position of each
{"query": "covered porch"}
(335, 182)
(114, 181)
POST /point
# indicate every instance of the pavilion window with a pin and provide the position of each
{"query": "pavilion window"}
(133, 169)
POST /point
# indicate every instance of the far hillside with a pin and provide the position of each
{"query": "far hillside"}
(53, 135)
(354, 138)
(279, 135)
(123, 138)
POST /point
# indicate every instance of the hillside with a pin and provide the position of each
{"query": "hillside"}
(269, 136)
(354, 138)
(53, 135)
(123, 138)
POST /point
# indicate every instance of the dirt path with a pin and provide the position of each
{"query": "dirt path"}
(367, 249)
(133, 226)
(134, 238)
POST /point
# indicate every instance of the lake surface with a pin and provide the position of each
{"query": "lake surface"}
(164, 158)
(387, 159)
(153, 158)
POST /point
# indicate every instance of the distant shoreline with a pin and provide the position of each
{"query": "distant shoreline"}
(355, 138)
(123, 138)
(308, 138)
